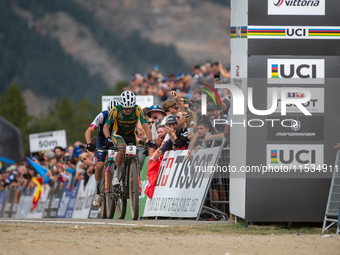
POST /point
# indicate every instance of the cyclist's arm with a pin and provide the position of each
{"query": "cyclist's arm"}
(147, 129)
(109, 122)
(106, 130)
(96, 122)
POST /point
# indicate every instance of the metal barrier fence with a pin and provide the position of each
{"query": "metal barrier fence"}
(217, 196)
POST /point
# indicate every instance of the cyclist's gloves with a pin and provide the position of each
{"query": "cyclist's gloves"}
(90, 147)
(152, 144)
(108, 142)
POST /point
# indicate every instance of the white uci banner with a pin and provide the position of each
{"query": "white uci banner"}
(142, 101)
(181, 186)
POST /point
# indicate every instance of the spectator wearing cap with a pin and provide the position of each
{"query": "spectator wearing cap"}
(178, 136)
(156, 113)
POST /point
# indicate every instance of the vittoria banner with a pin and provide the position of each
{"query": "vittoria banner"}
(296, 7)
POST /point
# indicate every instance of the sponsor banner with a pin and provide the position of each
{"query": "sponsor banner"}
(37, 213)
(315, 105)
(296, 7)
(293, 32)
(181, 186)
(295, 71)
(95, 212)
(301, 128)
(68, 201)
(2, 199)
(142, 101)
(8, 204)
(84, 199)
(25, 203)
(57, 192)
(47, 140)
(294, 156)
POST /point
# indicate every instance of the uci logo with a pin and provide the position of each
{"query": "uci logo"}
(309, 71)
(294, 155)
(288, 157)
(296, 32)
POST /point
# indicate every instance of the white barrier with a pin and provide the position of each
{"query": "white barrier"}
(181, 186)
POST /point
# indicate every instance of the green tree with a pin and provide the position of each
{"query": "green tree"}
(13, 107)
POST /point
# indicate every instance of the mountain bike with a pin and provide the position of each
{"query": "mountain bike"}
(115, 198)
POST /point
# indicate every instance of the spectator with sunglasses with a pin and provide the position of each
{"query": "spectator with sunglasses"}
(176, 129)
(125, 119)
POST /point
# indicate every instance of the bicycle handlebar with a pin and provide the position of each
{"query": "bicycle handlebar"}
(116, 148)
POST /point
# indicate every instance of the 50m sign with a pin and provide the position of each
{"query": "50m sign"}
(47, 140)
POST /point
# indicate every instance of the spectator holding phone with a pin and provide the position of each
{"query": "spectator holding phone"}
(178, 135)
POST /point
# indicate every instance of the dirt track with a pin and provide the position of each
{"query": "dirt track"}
(27, 238)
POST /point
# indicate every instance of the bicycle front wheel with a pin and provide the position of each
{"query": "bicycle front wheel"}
(110, 202)
(134, 189)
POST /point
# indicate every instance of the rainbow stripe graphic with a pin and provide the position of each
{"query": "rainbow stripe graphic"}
(266, 31)
(275, 69)
(244, 32)
(208, 92)
(324, 32)
(273, 157)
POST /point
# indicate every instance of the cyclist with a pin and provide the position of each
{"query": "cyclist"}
(99, 122)
(124, 118)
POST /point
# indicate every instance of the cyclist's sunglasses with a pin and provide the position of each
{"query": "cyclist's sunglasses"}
(128, 108)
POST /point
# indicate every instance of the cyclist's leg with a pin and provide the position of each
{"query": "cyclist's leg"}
(119, 141)
(100, 162)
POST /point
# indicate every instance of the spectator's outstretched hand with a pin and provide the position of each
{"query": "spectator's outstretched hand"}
(174, 95)
(337, 147)
(187, 156)
(158, 154)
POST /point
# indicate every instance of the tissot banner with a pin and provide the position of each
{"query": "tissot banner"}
(181, 186)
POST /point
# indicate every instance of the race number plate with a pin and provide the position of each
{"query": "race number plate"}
(111, 154)
(131, 150)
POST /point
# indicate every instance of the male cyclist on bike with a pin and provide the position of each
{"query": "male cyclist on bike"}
(99, 122)
(124, 118)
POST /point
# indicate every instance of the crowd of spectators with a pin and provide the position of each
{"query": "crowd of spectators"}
(173, 119)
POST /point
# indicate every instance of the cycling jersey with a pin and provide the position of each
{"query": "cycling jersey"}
(125, 124)
(99, 121)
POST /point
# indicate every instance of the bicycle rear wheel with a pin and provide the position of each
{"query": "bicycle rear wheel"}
(110, 202)
(103, 195)
(134, 189)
